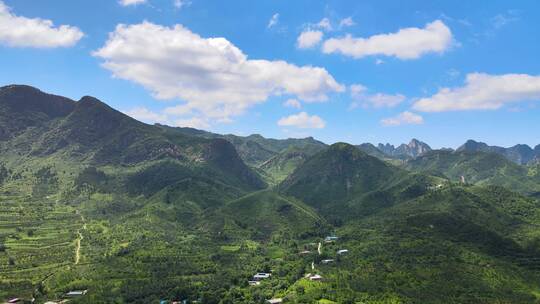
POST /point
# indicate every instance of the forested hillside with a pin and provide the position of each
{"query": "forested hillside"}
(94, 200)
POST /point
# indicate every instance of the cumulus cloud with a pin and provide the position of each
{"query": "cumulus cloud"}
(131, 2)
(483, 92)
(302, 120)
(18, 31)
(168, 117)
(194, 122)
(211, 75)
(145, 115)
(405, 118)
(181, 3)
(292, 103)
(325, 24)
(346, 22)
(273, 21)
(407, 43)
(361, 97)
(309, 39)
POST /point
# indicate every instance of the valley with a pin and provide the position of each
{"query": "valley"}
(93, 200)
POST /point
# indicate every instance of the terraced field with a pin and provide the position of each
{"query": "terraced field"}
(37, 238)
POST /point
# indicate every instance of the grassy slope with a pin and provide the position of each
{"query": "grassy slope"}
(187, 226)
(478, 168)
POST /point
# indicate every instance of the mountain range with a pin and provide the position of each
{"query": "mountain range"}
(94, 200)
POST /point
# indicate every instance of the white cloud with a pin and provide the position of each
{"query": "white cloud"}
(212, 76)
(302, 120)
(181, 3)
(405, 118)
(18, 31)
(131, 2)
(168, 117)
(273, 21)
(357, 90)
(407, 43)
(309, 39)
(379, 61)
(501, 20)
(325, 25)
(146, 115)
(378, 100)
(292, 103)
(346, 22)
(194, 122)
(483, 92)
(183, 109)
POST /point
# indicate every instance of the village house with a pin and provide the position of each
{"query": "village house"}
(254, 283)
(330, 239)
(275, 301)
(342, 251)
(261, 276)
(76, 293)
(327, 261)
(305, 252)
(315, 277)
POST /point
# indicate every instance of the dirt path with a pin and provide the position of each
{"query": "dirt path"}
(79, 240)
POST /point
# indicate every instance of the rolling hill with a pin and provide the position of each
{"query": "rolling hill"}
(92, 199)
(478, 168)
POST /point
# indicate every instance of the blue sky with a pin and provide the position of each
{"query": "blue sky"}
(354, 71)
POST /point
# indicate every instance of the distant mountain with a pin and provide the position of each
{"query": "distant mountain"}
(256, 149)
(476, 167)
(520, 154)
(370, 149)
(283, 164)
(411, 150)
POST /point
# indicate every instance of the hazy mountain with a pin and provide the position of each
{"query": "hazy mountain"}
(476, 167)
(256, 149)
(520, 154)
(411, 150)
(370, 149)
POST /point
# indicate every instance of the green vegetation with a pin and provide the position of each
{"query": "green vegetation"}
(477, 168)
(93, 200)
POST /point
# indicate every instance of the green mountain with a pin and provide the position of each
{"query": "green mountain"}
(520, 154)
(478, 168)
(91, 199)
(405, 151)
(264, 214)
(255, 149)
(283, 164)
(24, 107)
(342, 182)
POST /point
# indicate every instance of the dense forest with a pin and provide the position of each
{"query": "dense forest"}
(93, 201)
